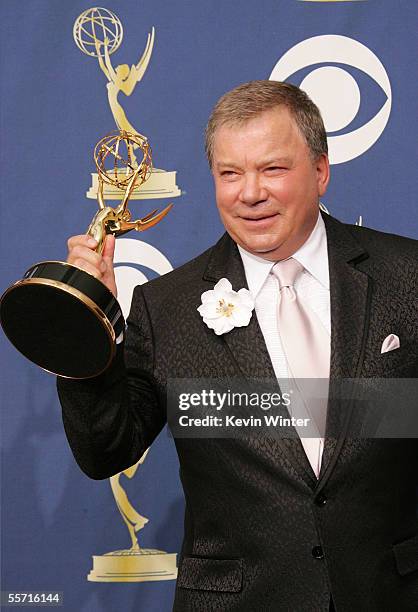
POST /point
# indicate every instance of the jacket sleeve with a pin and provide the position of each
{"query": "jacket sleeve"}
(110, 420)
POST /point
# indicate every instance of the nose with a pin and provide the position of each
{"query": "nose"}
(253, 190)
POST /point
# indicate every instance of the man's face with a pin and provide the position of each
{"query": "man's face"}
(267, 184)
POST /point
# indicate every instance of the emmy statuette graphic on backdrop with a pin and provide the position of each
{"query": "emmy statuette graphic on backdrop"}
(49, 314)
(88, 27)
(134, 564)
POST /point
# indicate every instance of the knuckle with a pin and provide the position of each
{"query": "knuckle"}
(73, 241)
(75, 251)
(81, 252)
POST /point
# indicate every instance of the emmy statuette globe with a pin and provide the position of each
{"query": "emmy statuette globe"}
(94, 26)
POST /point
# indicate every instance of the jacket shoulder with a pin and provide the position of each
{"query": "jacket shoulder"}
(384, 244)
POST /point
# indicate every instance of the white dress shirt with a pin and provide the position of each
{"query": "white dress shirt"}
(312, 287)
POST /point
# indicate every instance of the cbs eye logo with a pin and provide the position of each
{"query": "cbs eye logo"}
(336, 92)
(130, 256)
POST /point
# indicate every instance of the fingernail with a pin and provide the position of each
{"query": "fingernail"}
(91, 242)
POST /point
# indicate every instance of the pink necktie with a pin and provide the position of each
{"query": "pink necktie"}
(306, 345)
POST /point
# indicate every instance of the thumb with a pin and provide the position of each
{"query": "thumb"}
(108, 277)
(109, 249)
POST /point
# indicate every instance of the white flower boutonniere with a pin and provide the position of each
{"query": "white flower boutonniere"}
(222, 309)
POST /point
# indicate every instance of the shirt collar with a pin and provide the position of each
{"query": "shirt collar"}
(313, 255)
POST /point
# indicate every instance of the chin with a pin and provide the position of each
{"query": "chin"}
(263, 245)
(262, 250)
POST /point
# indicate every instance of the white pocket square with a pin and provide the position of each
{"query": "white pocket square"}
(390, 343)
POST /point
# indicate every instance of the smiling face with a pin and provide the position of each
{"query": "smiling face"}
(267, 183)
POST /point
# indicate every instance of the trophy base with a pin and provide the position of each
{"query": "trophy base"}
(144, 565)
(62, 319)
(160, 184)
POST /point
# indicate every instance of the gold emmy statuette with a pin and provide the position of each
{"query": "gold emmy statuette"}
(98, 33)
(60, 317)
(134, 564)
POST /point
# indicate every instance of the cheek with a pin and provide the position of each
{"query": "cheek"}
(225, 197)
(286, 188)
(292, 194)
(224, 211)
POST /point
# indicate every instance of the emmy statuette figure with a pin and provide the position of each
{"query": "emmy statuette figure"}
(134, 564)
(98, 33)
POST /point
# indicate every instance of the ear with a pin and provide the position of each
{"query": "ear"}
(323, 174)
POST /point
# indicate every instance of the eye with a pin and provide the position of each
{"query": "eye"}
(228, 174)
(350, 86)
(274, 169)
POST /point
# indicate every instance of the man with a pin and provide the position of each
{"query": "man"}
(283, 524)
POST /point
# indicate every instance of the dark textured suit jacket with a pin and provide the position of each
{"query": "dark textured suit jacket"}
(261, 532)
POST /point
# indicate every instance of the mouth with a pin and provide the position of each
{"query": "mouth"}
(259, 220)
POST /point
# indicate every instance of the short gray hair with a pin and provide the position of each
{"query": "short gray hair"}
(251, 99)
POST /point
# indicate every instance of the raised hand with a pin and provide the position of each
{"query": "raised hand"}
(81, 253)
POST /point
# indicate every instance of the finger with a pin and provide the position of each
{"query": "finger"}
(83, 239)
(84, 265)
(109, 249)
(80, 253)
(108, 254)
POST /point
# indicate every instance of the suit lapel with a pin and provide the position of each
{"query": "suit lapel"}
(246, 344)
(350, 291)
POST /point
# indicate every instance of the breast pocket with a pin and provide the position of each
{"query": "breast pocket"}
(202, 573)
(406, 555)
(398, 362)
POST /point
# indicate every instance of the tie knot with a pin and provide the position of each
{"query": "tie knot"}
(287, 271)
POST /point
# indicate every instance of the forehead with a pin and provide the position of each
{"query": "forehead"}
(270, 131)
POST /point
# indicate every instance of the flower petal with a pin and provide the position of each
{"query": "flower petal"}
(241, 317)
(208, 296)
(222, 286)
(246, 296)
(221, 325)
